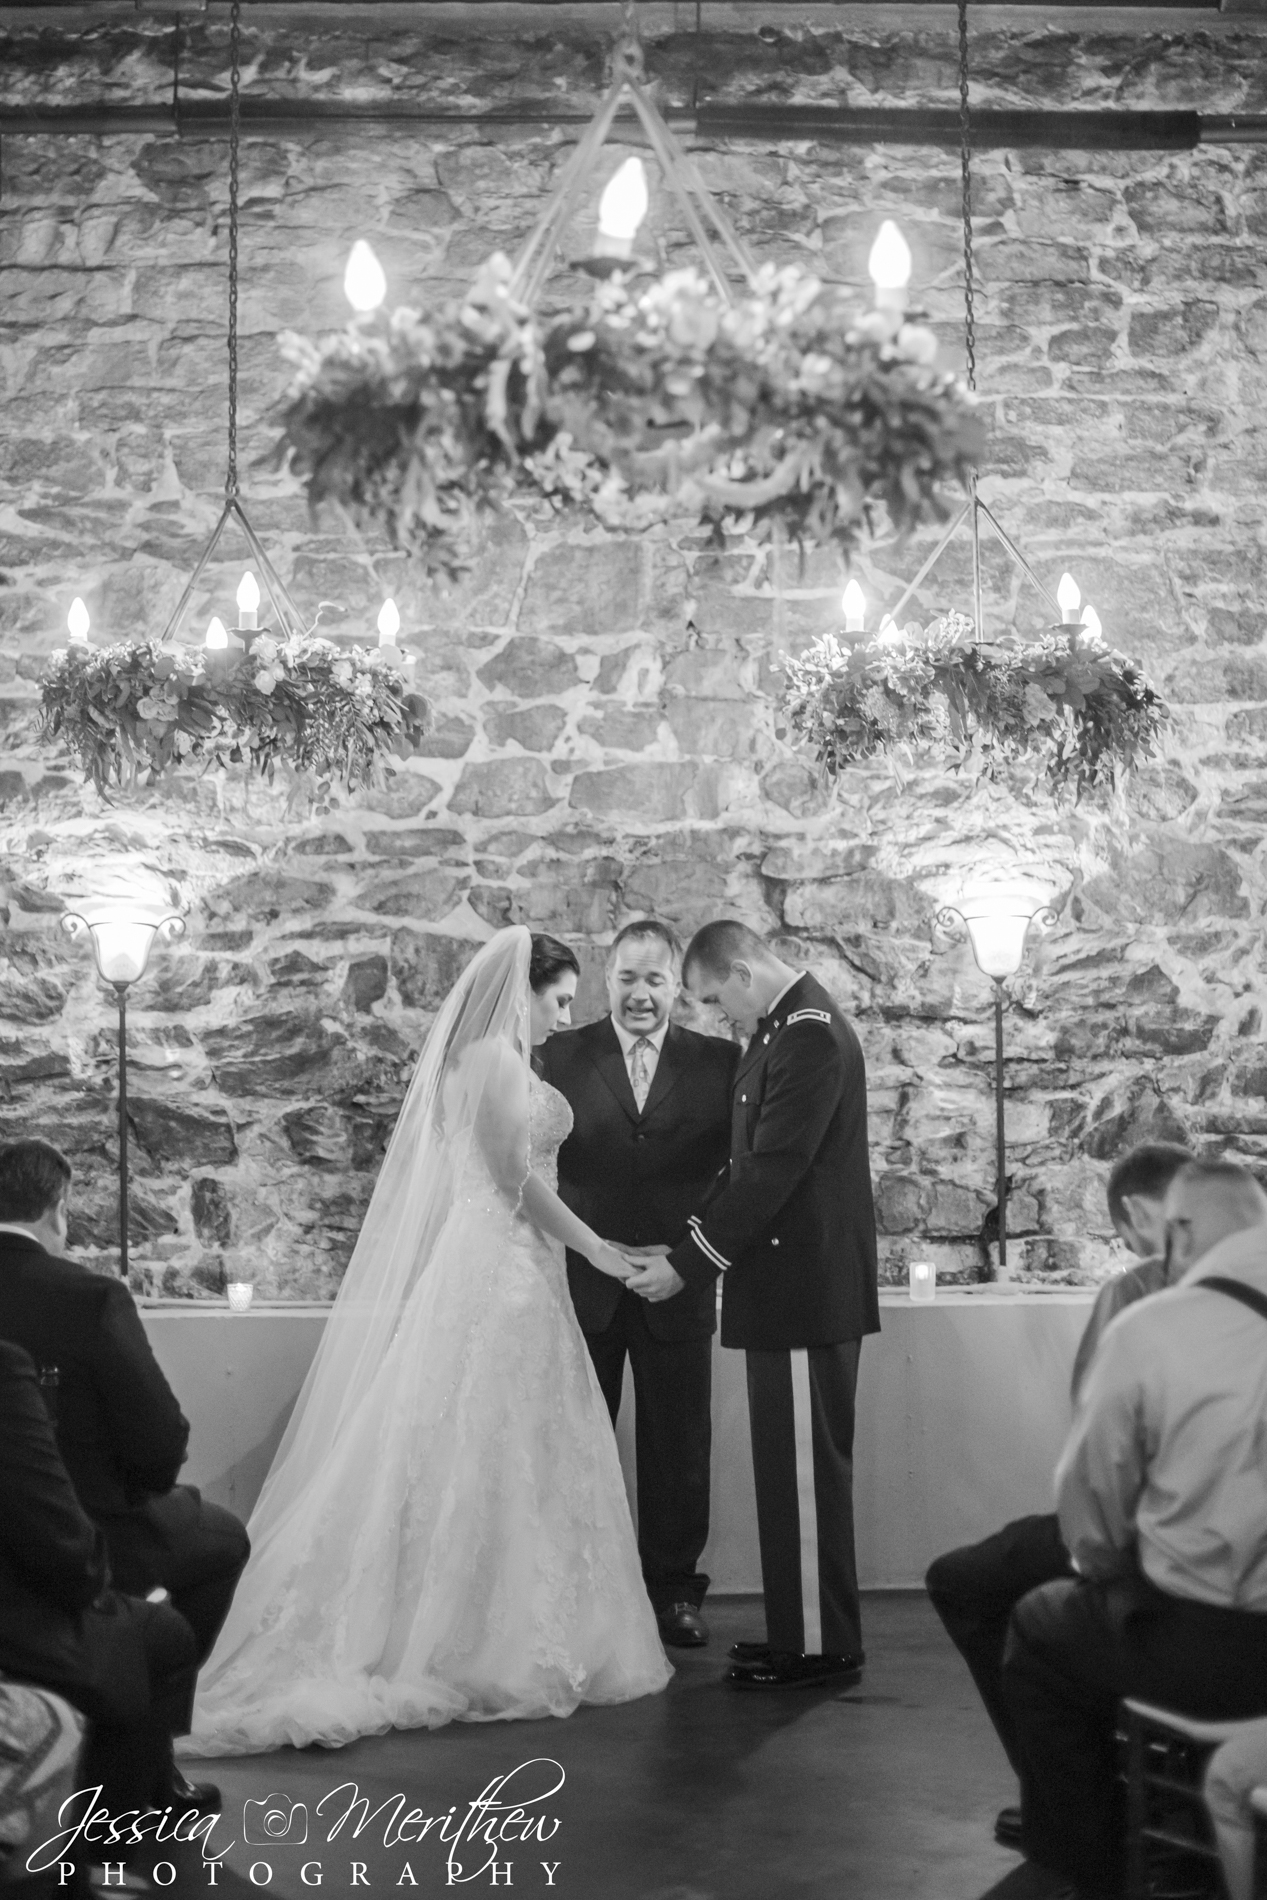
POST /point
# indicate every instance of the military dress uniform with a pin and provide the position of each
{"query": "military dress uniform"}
(792, 1233)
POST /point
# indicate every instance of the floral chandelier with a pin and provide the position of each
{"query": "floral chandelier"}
(773, 406)
(254, 696)
(1064, 702)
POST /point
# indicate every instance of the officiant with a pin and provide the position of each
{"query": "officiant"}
(651, 1102)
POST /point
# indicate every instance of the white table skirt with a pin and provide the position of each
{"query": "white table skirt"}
(962, 1408)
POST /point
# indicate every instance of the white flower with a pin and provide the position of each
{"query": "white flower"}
(265, 680)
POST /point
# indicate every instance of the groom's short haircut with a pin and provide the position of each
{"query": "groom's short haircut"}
(717, 946)
(33, 1177)
(646, 930)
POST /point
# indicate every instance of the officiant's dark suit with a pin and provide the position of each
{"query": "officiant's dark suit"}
(121, 1433)
(635, 1177)
(792, 1234)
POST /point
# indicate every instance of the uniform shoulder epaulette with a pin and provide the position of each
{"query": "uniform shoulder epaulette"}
(809, 1016)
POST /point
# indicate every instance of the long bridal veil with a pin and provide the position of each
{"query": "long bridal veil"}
(487, 1010)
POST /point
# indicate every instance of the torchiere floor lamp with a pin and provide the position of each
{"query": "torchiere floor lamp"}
(122, 937)
(997, 918)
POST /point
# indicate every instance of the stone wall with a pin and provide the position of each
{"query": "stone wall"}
(607, 742)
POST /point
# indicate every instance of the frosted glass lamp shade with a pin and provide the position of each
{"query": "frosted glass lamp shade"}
(121, 938)
(998, 920)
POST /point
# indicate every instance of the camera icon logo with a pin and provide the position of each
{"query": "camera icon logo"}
(276, 1821)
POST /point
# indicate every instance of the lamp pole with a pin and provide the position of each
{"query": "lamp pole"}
(997, 918)
(121, 991)
(122, 935)
(1000, 1138)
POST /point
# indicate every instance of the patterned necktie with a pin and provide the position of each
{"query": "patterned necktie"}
(640, 1072)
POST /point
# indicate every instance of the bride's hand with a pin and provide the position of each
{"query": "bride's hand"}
(606, 1258)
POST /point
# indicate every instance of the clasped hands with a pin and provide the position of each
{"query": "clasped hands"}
(644, 1270)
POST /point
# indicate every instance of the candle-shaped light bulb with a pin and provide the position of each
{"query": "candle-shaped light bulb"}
(888, 629)
(1091, 623)
(364, 284)
(890, 267)
(217, 634)
(388, 623)
(1068, 596)
(248, 601)
(854, 602)
(621, 210)
(77, 622)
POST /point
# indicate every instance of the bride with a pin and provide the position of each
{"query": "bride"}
(444, 1535)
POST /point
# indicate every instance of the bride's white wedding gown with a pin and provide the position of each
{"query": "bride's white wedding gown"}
(466, 1553)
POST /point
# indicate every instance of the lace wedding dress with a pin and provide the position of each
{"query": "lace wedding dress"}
(465, 1552)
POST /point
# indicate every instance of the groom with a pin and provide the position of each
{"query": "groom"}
(651, 1108)
(792, 1233)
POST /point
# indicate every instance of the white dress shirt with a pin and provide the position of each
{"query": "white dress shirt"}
(651, 1055)
(1167, 1458)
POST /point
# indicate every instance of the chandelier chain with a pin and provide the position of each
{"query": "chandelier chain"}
(965, 158)
(235, 81)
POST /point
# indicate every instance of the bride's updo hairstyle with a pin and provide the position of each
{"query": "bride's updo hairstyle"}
(550, 959)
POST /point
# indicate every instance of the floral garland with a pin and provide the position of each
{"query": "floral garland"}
(1063, 701)
(657, 399)
(141, 709)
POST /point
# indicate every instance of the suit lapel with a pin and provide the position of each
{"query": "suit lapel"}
(609, 1059)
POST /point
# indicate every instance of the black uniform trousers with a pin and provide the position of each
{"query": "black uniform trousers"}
(801, 1411)
(195, 1550)
(1073, 1649)
(672, 1441)
(975, 1589)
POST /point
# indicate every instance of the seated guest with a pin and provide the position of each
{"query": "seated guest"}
(1231, 1776)
(1161, 1492)
(127, 1664)
(975, 1589)
(119, 1428)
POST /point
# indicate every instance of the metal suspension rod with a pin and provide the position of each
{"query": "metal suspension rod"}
(1019, 129)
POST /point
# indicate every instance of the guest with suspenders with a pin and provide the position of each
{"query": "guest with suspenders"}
(1161, 1492)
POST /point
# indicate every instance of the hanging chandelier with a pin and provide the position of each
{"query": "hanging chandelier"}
(1062, 702)
(744, 395)
(253, 695)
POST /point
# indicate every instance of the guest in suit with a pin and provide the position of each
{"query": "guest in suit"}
(651, 1102)
(119, 1428)
(793, 1234)
(127, 1664)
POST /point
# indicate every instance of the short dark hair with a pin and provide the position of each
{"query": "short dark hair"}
(718, 945)
(1218, 1168)
(33, 1177)
(549, 960)
(1148, 1169)
(648, 930)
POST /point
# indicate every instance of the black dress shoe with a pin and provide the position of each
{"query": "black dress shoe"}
(182, 1793)
(683, 1626)
(785, 1671)
(1007, 1828)
(750, 1652)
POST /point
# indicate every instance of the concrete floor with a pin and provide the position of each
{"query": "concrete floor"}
(701, 1793)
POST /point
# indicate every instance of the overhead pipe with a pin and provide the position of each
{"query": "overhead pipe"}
(832, 125)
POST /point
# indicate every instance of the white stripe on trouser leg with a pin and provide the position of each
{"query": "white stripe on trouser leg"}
(802, 1413)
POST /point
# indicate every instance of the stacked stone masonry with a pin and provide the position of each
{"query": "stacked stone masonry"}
(607, 741)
